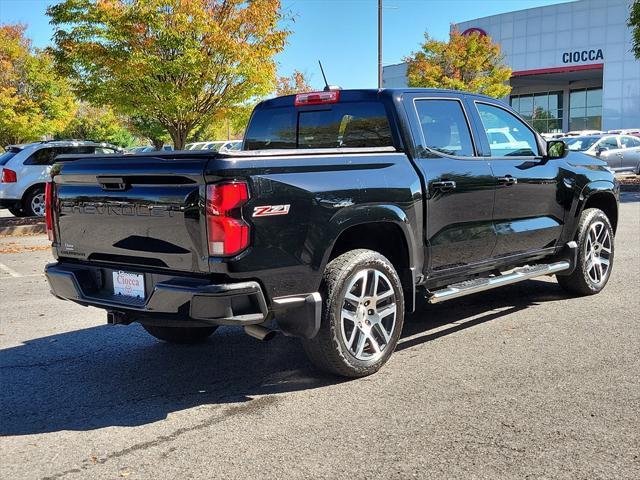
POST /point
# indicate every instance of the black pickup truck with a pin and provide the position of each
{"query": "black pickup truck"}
(342, 209)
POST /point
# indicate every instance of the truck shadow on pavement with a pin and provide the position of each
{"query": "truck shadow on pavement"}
(120, 376)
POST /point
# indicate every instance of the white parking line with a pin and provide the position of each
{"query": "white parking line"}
(8, 270)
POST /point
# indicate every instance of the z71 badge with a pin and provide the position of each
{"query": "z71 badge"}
(270, 210)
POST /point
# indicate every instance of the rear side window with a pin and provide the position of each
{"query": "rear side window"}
(362, 124)
(444, 127)
(507, 135)
(6, 156)
(47, 156)
(627, 142)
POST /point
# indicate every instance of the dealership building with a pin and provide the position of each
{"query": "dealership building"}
(572, 64)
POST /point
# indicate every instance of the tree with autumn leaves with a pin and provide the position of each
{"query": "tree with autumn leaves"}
(35, 101)
(471, 63)
(178, 62)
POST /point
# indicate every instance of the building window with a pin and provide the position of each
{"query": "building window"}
(585, 109)
(543, 111)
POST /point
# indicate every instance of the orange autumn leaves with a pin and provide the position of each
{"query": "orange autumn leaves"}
(470, 63)
(179, 62)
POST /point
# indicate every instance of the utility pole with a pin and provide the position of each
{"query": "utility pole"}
(379, 43)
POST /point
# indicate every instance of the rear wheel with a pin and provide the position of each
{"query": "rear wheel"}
(362, 315)
(33, 204)
(595, 255)
(183, 335)
(17, 212)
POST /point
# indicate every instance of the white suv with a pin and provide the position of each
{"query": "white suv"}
(24, 169)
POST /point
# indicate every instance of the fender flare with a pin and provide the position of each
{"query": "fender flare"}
(356, 215)
(363, 214)
(587, 191)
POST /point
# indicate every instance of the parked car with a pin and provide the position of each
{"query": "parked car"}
(341, 210)
(627, 131)
(582, 133)
(142, 149)
(25, 170)
(621, 152)
(214, 146)
(231, 146)
(195, 146)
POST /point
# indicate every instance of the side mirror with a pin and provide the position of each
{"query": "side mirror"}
(600, 149)
(557, 149)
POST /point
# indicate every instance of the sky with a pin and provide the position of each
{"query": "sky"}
(340, 33)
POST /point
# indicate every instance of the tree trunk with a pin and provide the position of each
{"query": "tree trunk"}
(179, 136)
(157, 143)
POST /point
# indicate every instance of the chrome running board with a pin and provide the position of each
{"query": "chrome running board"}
(487, 283)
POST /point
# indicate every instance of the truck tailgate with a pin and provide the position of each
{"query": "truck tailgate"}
(130, 210)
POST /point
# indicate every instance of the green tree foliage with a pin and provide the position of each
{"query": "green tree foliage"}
(149, 129)
(471, 63)
(230, 124)
(99, 124)
(177, 62)
(35, 101)
(634, 23)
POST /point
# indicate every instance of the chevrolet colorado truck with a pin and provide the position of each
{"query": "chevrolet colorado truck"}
(343, 208)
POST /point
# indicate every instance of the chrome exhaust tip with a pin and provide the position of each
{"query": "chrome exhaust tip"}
(261, 333)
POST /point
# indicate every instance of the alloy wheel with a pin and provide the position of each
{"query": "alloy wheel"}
(37, 204)
(368, 314)
(597, 256)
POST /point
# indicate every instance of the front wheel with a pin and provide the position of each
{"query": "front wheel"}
(595, 255)
(183, 335)
(362, 315)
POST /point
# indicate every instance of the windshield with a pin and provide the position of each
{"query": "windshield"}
(580, 144)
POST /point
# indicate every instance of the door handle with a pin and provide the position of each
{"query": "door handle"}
(507, 180)
(444, 186)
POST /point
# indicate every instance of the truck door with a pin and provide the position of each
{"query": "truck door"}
(529, 211)
(459, 184)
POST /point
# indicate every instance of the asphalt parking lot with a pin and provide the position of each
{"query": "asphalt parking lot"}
(521, 382)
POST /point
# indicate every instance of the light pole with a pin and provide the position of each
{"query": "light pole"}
(379, 43)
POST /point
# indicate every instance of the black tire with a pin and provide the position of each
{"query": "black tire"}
(580, 281)
(17, 212)
(28, 202)
(328, 350)
(182, 335)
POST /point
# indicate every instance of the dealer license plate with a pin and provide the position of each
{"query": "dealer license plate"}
(128, 284)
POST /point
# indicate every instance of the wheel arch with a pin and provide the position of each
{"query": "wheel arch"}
(28, 191)
(382, 228)
(601, 195)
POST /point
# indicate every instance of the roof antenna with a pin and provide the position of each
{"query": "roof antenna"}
(327, 87)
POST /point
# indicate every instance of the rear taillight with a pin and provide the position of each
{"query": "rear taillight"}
(317, 98)
(227, 232)
(48, 209)
(8, 176)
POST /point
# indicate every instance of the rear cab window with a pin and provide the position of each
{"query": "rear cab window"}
(338, 125)
(444, 127)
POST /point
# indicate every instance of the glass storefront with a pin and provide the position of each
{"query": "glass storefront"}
(585, 109)
(543, 111)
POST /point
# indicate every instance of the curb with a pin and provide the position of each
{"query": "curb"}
(18, 230)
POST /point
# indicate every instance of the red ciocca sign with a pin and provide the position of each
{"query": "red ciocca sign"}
(471, 30)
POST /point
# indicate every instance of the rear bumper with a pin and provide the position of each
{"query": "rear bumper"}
(175, 301)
